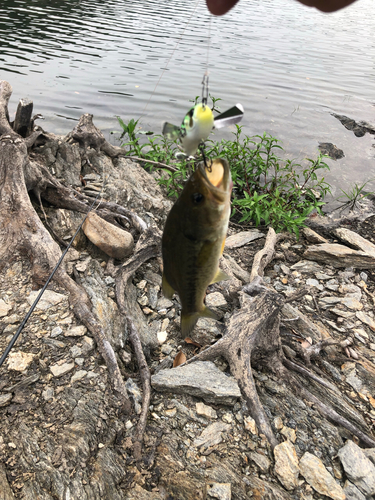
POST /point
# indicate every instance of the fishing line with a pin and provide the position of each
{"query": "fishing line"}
(20, 328)
(170, 57)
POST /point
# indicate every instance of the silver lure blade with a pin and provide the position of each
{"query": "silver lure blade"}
(229, 117)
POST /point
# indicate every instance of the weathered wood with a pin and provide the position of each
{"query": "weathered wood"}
(22, 121)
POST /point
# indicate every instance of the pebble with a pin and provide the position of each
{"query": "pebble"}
(286, 465)
(88, 345)
(306, 266)
(250, 425)
(79, 375)
(352, 492)
(153, 296)
(4, 308)
(162, 337)
(242, 238)
(219, 491)
(48, 394)
(363, 276)
(60, 370)
(315, 283)
(5, 399)
(75, 351)
(278, 423)
(261, 461)
(211, 436)
(315, 473)
(166, 349)
(56, 331)
(205, 411)
(48, 299)
(289, 433)
(365, 318)
(164, 303)
(79, 361)
(143, 301)
(19, 361)
(76, 331)
(216, 299)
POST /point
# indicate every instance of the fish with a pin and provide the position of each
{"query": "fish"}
(194, 238)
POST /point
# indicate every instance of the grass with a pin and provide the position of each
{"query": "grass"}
(267, 190)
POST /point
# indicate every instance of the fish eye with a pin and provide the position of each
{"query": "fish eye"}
(197, 198)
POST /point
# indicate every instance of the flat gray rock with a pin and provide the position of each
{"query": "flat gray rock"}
(48, 299)
(201, 379)
(352, 492)
(358, 467)
(338, 255)
(306, 266)
(243, 238)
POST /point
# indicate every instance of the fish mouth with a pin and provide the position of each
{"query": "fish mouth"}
(217, 177)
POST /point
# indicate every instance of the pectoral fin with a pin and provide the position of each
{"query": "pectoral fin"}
(188, 321)
(220, 276)
(167, 289)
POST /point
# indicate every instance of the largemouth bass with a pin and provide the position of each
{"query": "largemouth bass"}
(193, 240)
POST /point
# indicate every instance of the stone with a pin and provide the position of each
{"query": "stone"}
(56, 331)
(75, 351)
(338, 255)
(19, 361)
(306, 266)
(278, 423)
(138, 493)
(355, 240)
(205, 411)
(250, 425)
(79, 375)
(48, 394)
(315, 473)
(201, 379)
(112, 240)
(358, 468)
(48, 299)
(211, 436)
(315, 283)
(219, 491)
(164, 303)
(352, 492)
(76, 331)
(4, 308)
(162, 337)
(352, 303)
(60, 370)
(88, 345)
(289, 433)
(135, 394)
(312, 236)
(5, 400)
(286, 465)
(261, 461)
(215, 299)
(365, 318)
(243, 238)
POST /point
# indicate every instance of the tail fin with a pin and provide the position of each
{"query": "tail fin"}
(188, 321)
(171, 131)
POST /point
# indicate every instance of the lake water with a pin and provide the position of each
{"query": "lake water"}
(290, 67)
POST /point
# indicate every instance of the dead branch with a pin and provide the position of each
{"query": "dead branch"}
(264, 256)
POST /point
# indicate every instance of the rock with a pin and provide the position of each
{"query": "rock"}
(211, 436)
(352, 492)
(339, 256)
(6, 492)
(243, 238)
(289, 433)
(250, 425)
(48, 394)
(162, 337)
(312, 236)
(306, 266)
(201, 379)
(79, 375)
(88, 345)
(5, 400)
(236, 270)
(278, 423)
(220, 491)
(48, 299)
(135, 394)
(56, 331)
(60, 370)
(359, 129)
(216, 299)
(260, 460)
(19, 361)
(331, 150)
(358, 467)
(286, 465)
(365, 318)
(370, 454)
(315, 283)
(205, 411)
(164, 303)
(76, 331)
(138, 493)
(352, 303)
(4, 308)
(315, 473)
(355, 240)
(112, 240)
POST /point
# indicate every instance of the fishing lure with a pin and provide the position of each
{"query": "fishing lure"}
(199, 123)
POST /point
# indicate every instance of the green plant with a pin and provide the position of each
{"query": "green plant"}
(355, 193)
(266, 189)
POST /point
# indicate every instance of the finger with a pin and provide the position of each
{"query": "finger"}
(220, 7)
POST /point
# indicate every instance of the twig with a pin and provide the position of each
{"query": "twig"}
(156, 163)
(264, 256)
